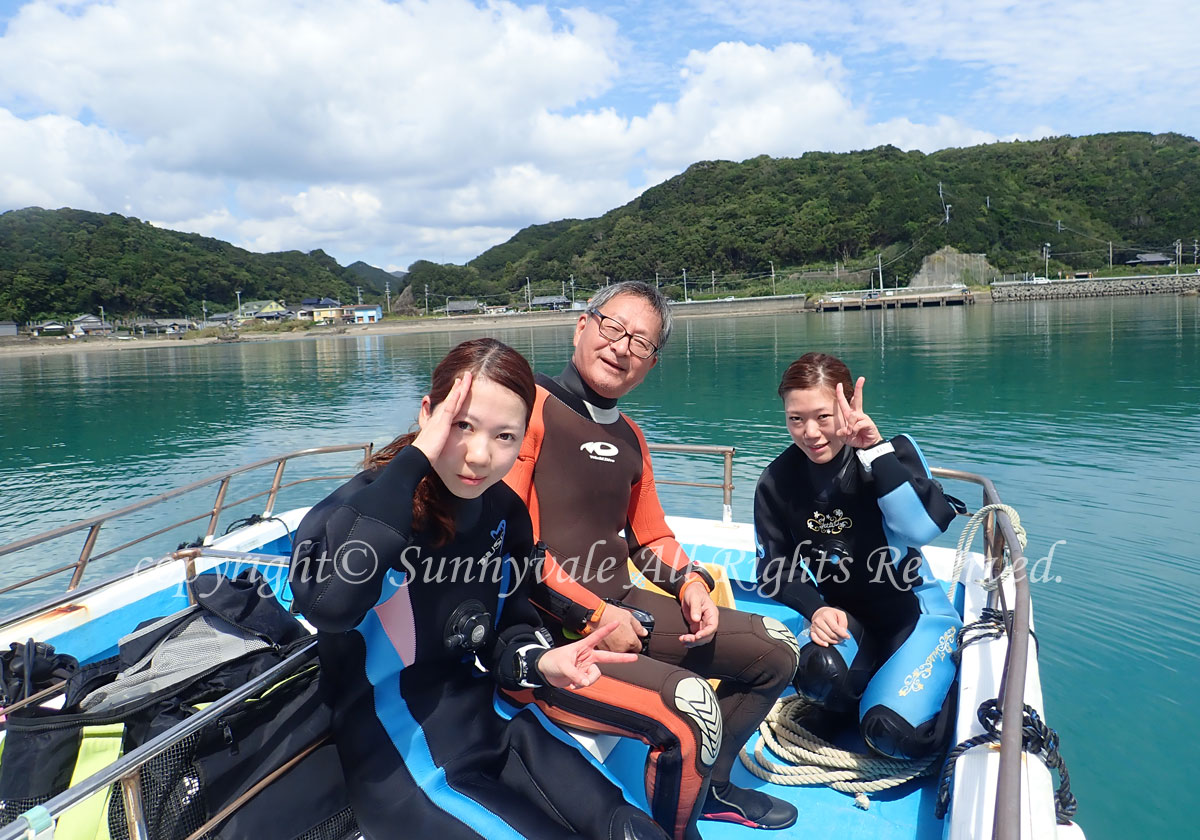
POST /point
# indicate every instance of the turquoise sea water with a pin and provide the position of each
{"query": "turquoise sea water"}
(1084, 413)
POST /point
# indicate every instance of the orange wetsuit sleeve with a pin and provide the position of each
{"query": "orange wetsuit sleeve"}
(652, 544)
(562, 596)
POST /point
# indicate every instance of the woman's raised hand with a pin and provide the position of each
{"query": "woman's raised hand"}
(436, 424)
(856, 428)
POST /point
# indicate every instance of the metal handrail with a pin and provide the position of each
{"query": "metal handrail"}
(726, 486)
(95, 523)
(1000, 534)
(131, 763)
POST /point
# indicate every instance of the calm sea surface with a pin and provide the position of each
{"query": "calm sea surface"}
(1085, 414)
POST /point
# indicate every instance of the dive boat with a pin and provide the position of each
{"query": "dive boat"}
(992, 787)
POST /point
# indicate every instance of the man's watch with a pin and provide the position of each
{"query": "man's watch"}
(696, 569)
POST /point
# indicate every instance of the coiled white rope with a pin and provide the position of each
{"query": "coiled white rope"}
(968, 536)
(811, 760)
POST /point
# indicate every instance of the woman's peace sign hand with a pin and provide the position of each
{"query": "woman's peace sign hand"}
(436, 424)
(577, 665)
(856, 428)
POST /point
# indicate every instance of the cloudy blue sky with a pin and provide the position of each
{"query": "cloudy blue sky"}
(433, 129)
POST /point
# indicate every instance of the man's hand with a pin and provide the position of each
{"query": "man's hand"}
(700, 613)
(626, 636)
(828, 626)
(577, 665)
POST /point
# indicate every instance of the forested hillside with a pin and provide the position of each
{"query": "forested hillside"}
(1138, 191)
(718, 219)
(64, 262)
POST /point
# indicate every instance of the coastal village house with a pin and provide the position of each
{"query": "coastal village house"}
(264, 310)
(50, 328)
(169, 326)
(329, 313)
(309, 306)
(365, 313)
(90, 325)
(550, 302)
(463, 307)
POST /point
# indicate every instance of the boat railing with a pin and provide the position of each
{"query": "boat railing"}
(221, 503)
(127, 770)
(1003, 548)
(726, 485)
(1001, 544)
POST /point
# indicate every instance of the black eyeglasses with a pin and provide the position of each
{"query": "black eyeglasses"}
(612, 330)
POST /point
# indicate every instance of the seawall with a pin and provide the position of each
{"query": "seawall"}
(1058, 289)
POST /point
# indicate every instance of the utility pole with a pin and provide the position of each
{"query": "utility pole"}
(656, 279)
(203, 311)
(359, 295)
(572, 290)
(879, 262)
(772, 262)
(1046, 253)
(528, 295)
(1060, 225)
(948, 206)
(685, 300)
(1195, 251)
(239, 294)
(426, 298)
(1110, 253)
(387, 290)
(713, 274)
(102, 319)
(1178, 255)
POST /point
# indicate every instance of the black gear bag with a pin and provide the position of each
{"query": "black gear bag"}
(166, 671)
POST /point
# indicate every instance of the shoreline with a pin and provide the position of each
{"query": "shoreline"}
(25, 346)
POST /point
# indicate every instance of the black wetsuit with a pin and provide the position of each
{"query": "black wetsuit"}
(424, 752)
(839, 535)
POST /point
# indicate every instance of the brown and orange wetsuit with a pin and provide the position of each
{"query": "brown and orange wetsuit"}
(585, 473)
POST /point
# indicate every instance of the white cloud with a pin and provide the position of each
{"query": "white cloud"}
(1109, 55)
(739, 101)
(391, 131)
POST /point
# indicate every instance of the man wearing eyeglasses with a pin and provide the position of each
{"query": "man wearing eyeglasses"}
(585, 473)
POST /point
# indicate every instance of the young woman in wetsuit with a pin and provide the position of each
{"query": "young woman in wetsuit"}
(840, 518)
(416, 574)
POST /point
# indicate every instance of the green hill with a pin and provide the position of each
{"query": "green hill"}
(64, 262)
(1138, 191)
(374, 279)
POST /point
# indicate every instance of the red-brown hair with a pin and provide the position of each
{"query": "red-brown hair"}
(817, 370)
(483, 358)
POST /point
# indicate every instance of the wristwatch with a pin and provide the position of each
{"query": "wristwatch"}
(866, 456)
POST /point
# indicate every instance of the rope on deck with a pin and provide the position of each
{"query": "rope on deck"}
(809, 760)
(968, 536)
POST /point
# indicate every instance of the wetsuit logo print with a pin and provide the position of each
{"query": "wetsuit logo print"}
(694, 697)
(831, 523)
(599, 450)
(944, 648)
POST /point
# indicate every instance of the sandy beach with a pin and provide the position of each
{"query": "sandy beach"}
(26, 346)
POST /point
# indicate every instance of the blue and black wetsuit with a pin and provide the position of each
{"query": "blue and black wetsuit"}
(406, 631)
(848, 536)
